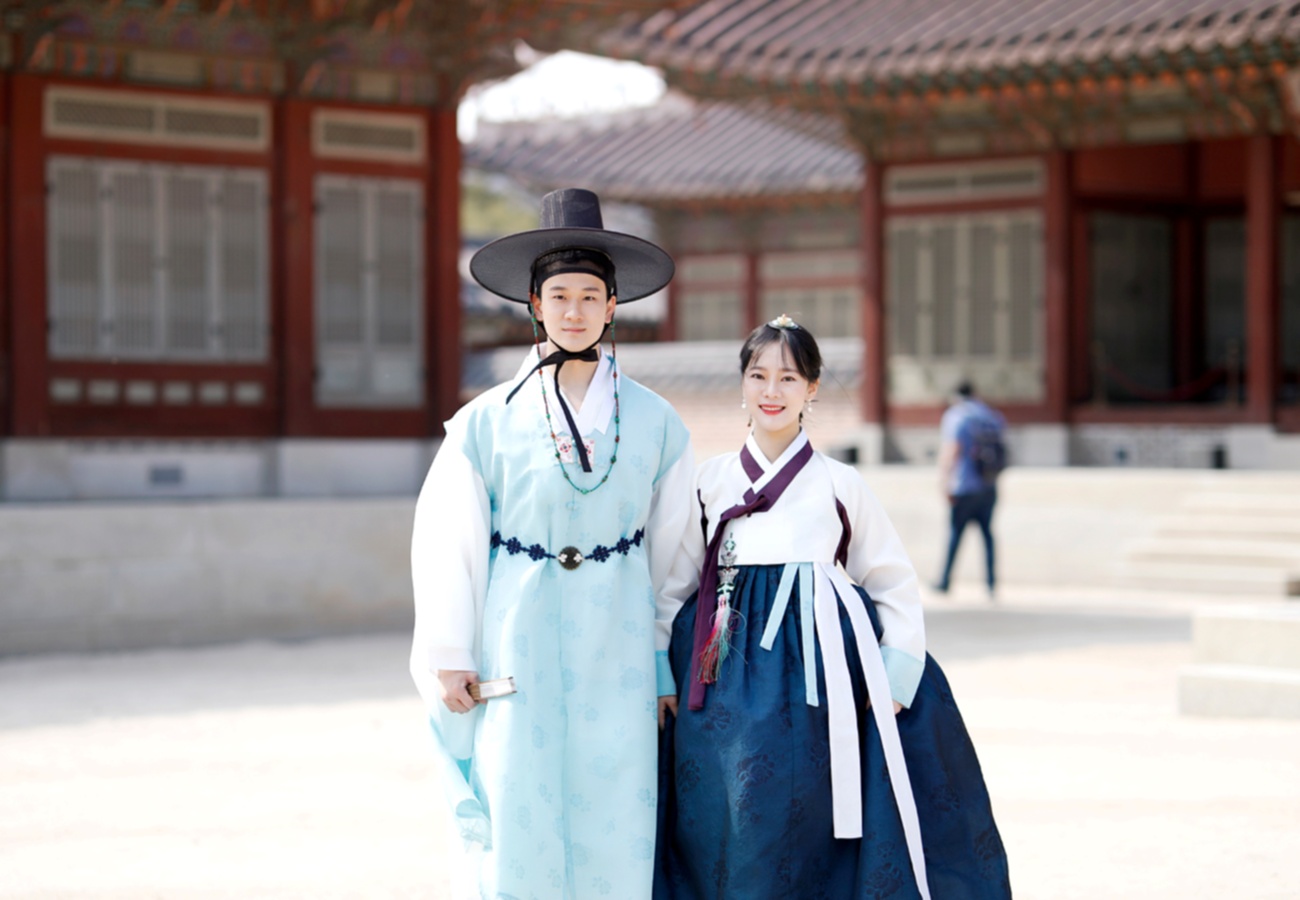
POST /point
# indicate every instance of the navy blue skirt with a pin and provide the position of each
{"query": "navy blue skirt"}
(745, 786)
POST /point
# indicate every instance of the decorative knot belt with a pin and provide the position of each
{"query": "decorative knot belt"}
(570, 557)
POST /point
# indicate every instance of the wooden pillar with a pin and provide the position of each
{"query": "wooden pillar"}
(281, 209)
(444, 319)
(753, 305)
(1081, 374)
(1189, 275)
(668, 331)
(6, 262)
(1056, 297)
(1262, 232)
(667, 230)
(28, 337)
(873, 295)
(294, 314)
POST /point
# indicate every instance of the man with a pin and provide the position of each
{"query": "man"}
(971, 458)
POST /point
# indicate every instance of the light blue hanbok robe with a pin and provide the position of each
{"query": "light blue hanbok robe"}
(557, 781)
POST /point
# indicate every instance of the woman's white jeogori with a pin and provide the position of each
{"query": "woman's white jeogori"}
(557, 781)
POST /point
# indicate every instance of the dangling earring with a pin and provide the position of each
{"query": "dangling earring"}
(743, 405)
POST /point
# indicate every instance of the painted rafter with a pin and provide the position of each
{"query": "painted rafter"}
(1027, 83)
(452, 43)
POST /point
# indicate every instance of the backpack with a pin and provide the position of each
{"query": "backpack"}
(986, 451)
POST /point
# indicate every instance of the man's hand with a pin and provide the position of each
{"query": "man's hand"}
(455, 695)
(667, 704)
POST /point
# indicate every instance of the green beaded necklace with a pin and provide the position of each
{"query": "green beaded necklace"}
(555, 441)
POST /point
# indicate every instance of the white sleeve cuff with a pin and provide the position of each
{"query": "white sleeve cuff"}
(904, 673)
(664, 675)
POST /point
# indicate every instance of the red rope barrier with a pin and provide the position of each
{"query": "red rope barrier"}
(1178, 394)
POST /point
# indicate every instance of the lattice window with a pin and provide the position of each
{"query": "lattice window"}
(820, 229)
(348, 134)
(1025, 259)
(1225, 291)
(156, 262)
(821, 289)
(713, 314)
(160, 119)
(719, 269)
(710, 292)
(793, 267)
(369, 292)
(827, 311)
(964, 300)
(1132, 299)
(955, 182)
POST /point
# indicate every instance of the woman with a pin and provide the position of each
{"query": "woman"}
(543, 542)
(818, 752)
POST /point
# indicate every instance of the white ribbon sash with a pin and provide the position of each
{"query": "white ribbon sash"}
(805, 571)
(820, 585)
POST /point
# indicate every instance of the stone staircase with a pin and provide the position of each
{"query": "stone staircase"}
(1245, 663)
(1236, 538)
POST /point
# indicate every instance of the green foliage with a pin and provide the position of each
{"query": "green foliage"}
(486, 213)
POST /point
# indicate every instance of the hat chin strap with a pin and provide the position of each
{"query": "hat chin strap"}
(558, 359)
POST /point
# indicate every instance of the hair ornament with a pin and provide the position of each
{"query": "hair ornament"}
(783, 321)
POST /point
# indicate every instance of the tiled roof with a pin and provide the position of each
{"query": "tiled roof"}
(680, 149)
(878, 44)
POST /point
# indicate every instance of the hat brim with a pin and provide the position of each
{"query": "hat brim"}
(504, 265)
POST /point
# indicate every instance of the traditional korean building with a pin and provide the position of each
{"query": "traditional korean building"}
(1092, 209)
(230, 237)
(759, 204)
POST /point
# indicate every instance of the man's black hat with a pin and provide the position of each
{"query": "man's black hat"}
(571, 220)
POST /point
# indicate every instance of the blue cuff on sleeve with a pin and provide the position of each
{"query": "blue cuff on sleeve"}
(904, 673)
(664, 675)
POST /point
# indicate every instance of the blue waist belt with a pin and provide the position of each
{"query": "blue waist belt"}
(570, 557)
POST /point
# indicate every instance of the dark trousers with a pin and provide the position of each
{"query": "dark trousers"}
(967, 508)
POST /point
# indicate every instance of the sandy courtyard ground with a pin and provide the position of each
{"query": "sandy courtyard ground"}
(300, 770)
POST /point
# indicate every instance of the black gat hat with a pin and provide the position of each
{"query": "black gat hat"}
(571, 221)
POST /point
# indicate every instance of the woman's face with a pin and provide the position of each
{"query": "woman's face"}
(774, 391)
(573, 309)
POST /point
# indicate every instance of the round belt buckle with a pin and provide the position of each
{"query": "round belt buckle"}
(570, 558)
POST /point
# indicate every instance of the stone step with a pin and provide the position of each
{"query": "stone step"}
(1239, 692)
(1266, 635)
(1283, 502)
(1237, 525)
(1225, 549)
(1218, 579)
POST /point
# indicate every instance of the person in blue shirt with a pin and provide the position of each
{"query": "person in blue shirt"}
(971, 458)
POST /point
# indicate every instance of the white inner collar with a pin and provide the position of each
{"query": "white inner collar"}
(771, 468)
(598, 404)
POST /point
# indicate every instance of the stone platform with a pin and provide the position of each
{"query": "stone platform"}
(1245, 662)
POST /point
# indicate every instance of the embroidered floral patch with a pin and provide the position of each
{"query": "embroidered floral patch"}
(564, 443)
